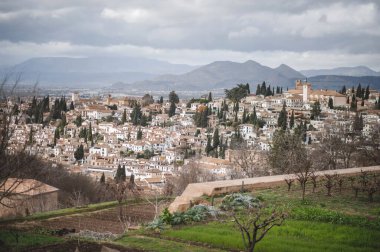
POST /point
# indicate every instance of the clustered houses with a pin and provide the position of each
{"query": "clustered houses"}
(157, 150)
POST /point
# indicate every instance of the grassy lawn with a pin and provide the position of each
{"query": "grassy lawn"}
(339, 222)
(292, 236)
(343, 201)
(25, 240)
(160, 245)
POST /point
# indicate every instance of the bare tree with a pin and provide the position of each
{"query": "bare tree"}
(248, 162)
(189, 173)
(255, 222)
(289, 181)
(15, 163)
(285, 152)
(303, 171)
(329, 183)
(314, 181)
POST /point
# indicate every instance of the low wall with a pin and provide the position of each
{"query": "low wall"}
(194, 192)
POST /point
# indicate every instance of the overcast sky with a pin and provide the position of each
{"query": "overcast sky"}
(301, 33)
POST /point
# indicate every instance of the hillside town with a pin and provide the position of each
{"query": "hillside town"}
(154, 139)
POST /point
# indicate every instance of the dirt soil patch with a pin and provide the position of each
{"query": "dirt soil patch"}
(81, 246)
(99, 221)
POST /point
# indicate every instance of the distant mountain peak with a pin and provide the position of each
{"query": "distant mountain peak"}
(343, 71)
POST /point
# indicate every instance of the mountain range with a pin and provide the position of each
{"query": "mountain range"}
(139, 74)
(221, 75)
(95, 71)
(345, 71)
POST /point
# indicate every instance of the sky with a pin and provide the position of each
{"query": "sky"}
(303, 34)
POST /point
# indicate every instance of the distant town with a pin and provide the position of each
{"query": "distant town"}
(153, 138)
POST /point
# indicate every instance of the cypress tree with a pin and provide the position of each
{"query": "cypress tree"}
(31, 136)
(366, 96)
(79, 153)
(359, 91)
(343, 90)
(247, 88)
(118, 173)
(90, 138)
(103, 179)
(331, 103)
(263, 88)
(291, 123)
(258, 89)
(283, 118)
(139, 134)
(172, 109)
(209, 97)
(316, 110)
(124, 117)
(208, 146)
(215, 139)
(253, 118)
(123, 175)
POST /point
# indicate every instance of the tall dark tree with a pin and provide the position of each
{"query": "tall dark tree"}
(201, 117)
(136, 115)
(291, 122)
(258, 89)
(331, 103)
(358, 122)
(263, 88)
(208, 146)
(79, 153)
(215, 139)
(78, 121)
(71, 105)
(124, 117)
(282, 121)
(315, 110)
(161, 100)
(119, 173)
(173, 97)
(253, 117)
(103, 179)
(366, 96)
(172, 109)
(359, 91)
(343, 91)
(139, 134)
(90, 138)
(56, 135)
(209, 97)
(247, 88)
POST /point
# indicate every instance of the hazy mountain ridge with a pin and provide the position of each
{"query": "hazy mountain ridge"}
(220, 75)
(346, 71)
(336, 82)
(96, 71)
(148, 74)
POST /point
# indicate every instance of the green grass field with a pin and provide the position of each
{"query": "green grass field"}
(341, 222)
(319, 223)
(10, 241)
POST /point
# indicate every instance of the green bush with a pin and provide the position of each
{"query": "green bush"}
(238, 201)
(156, 225)
(333, 217)
(195, 214)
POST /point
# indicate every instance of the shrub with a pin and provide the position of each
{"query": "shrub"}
(333, 217)
(238, 201)
(157, 225)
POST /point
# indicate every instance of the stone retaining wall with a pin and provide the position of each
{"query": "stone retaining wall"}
(194, 192)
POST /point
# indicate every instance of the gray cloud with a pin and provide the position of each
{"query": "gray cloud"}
(176, 30)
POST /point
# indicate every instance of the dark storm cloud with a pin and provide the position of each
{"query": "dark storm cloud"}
(179, 30)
